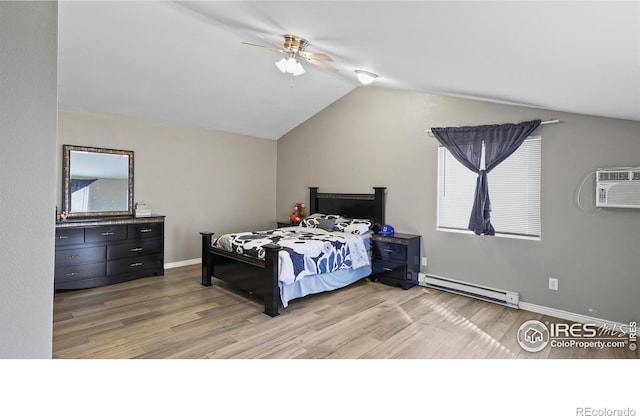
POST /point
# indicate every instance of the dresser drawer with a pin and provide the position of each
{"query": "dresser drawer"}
(390, 251)
(68, 236)
(79, 272)
(70, 257)
(106, 233)
(153, 229)
(134, 264)
(142, 247)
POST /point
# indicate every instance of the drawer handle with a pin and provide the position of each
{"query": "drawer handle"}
(137, 249)
(136, 264)
(386, 269)
(62, 237)
(107, 233)
(146, 230)
(71, 274)
(388, 250)
(73, 256)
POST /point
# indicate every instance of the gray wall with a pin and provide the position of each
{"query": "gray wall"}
(202, 180)
(28, 76)
(375, 137)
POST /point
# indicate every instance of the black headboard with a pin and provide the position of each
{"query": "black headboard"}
(369, 206)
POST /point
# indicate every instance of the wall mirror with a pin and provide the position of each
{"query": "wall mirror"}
(96, 182)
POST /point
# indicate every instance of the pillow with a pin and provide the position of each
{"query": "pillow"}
(357, 229)
(326, 224)
(312, 220)
(353, 225)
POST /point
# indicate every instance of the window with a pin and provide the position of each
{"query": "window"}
(80, 199)
(514, 191)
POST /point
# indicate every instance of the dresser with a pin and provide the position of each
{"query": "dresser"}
(396, 259)
(99, 252)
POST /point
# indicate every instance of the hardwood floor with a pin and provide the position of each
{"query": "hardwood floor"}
(175, 317)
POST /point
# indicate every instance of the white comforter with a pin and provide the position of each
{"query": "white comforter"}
(306, 251)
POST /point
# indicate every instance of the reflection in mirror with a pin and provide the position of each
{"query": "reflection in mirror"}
(97, 182)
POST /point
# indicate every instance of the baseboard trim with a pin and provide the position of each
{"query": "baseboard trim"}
(558, 313)
(570, 316)
(175, 264)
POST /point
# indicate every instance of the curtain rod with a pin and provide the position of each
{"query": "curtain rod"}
(429, 133)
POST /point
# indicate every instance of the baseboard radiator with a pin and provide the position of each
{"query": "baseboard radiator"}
(502, 297)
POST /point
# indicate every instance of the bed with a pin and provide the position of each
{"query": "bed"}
(283, 264)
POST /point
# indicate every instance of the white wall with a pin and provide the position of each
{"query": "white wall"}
(28, 100)
(375, 137)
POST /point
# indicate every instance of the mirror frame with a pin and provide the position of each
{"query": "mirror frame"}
(66, 182)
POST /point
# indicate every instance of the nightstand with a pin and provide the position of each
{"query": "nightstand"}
(284, 224)
(396, 259)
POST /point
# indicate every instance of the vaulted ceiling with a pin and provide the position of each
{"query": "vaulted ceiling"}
(184, 62)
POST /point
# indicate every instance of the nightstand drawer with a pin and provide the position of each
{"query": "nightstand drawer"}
(390, 269)
(386, 266)
(390, 251)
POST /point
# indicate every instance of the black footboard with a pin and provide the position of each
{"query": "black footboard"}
(251, 275)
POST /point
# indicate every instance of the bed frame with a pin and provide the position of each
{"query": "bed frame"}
(260, 277)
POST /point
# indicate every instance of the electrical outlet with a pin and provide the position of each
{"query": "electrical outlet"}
(553, 283)
(424, 261)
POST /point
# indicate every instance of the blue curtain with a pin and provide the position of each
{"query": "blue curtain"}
(465, 144)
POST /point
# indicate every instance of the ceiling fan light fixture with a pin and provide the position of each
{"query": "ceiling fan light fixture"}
(365, 77)
(299, 70)
(282, 65)
(291, 65)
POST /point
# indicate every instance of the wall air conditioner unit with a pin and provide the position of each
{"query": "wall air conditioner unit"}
(618, 188)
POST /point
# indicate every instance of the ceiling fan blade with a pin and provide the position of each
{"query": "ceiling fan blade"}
(315, 55)
(263, 46)
(321, 65)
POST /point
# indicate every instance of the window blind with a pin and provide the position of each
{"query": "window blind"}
(514, 190)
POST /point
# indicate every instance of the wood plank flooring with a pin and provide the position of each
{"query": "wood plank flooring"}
(175, 317)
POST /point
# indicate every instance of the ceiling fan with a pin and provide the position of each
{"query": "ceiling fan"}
(294, 50)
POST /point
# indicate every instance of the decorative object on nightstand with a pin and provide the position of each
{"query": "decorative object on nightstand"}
(396, 259)
(297, 215)
(387, 229)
